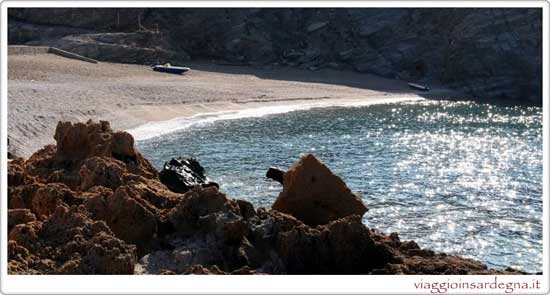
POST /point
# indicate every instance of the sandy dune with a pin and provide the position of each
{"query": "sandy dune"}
(45, 88)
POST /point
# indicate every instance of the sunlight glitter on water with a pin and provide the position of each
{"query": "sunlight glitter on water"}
(459, 177)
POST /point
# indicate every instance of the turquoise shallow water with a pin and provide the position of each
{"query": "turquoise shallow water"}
(459, 177)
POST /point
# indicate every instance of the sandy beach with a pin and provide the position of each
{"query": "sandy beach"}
(44, 89)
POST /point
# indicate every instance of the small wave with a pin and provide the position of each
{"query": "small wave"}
(159, 128)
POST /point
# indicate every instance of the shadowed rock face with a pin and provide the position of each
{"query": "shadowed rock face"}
(101, 209)
(491, 53)
(314, 195)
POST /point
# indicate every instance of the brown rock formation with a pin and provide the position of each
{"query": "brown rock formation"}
(93, 205)
(100, 171)
(78, 141)
(42, 199)
(314, 195)
(344, 246)
(68, 242)
(197, 204)
(17, 174)
(130, 217)
(19, 216)
(92, 166)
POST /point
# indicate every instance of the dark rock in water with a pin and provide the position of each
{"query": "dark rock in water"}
(275, 174)
(180, 175)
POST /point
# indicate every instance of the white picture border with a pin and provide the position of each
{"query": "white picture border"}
(270, 284)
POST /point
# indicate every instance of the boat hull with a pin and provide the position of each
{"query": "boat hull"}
(171, 70)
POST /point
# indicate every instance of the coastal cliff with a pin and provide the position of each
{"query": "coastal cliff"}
(485, 53)
(92, 204)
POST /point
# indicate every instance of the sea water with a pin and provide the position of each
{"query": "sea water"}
(464, 178)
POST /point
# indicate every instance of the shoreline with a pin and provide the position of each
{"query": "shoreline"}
(109, 197)
(45, 88)
(210, 112)
(148, 115)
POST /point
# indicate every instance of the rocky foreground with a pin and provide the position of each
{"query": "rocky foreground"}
(92, 204)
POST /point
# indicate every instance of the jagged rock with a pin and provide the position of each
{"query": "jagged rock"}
(208, 230)
(179, 175)
(96, 212)
(19, 216)
(19, 259)
(196, 205)
(265, 229)
(313, 194)
(152, 191)
(94, 166)
(101, 256)
(86, 154)
(42, 199)
(47, 198)
(100, 171)
(343, 246)
(69, 242)
(131, 218)
(17, 174)
(43, 159)
(123, 147)
(246, 209)
(78, 141)
(44, 167)
(203, 248)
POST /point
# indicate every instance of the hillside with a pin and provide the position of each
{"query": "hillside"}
(486, 53)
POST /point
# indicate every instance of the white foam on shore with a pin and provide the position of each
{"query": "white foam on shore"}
(159, 128)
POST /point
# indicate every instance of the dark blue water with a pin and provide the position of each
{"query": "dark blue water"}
(459, 177)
